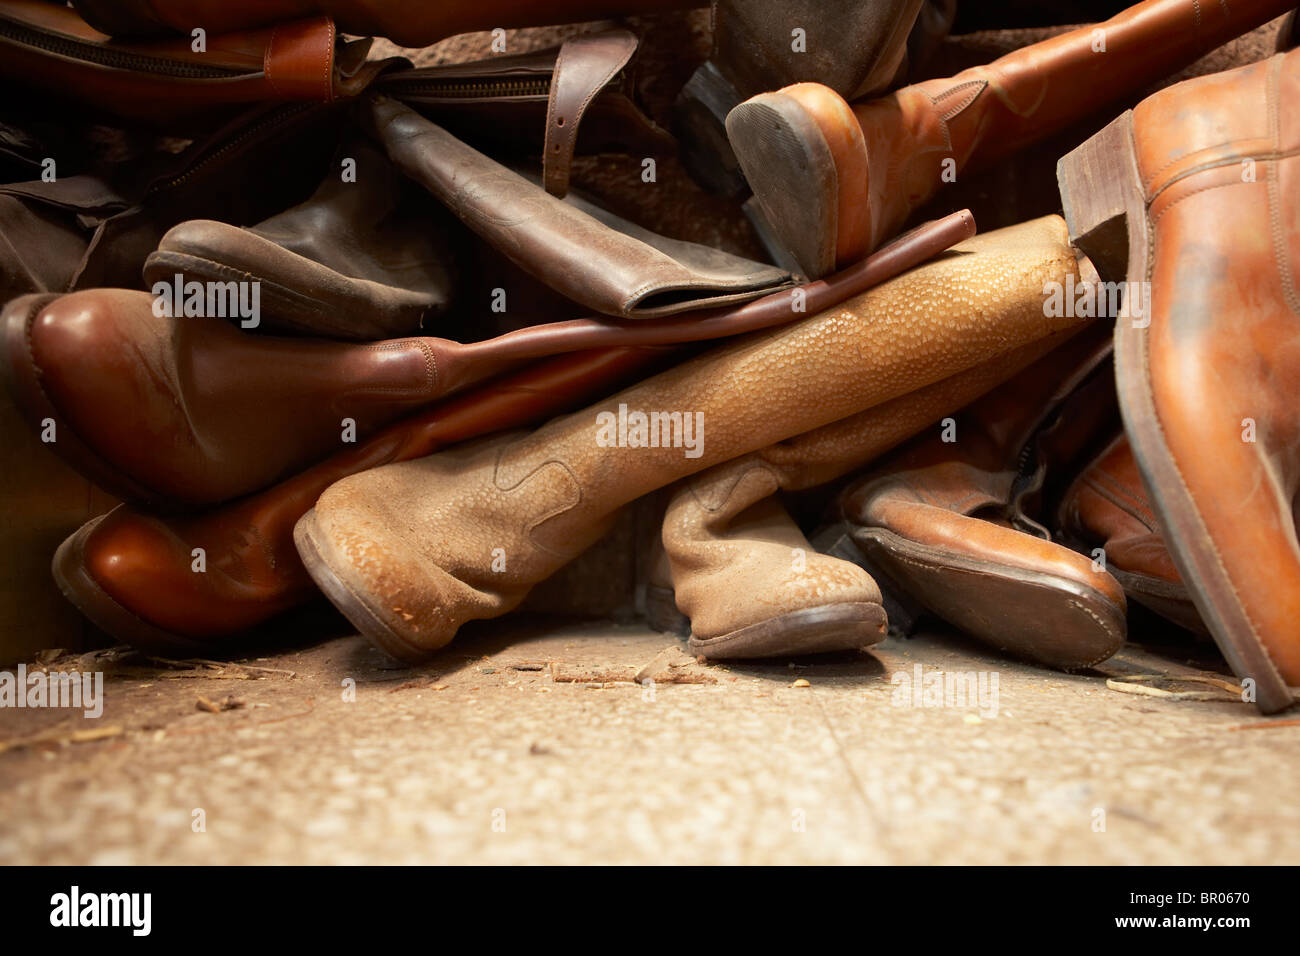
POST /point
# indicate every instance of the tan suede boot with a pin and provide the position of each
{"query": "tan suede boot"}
(411, 551)
(735, 572)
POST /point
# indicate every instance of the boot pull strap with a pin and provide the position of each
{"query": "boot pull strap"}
(584, 67)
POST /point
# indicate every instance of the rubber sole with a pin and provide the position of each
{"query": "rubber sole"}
(1106, 210)
(1043, 617)
(815, 630)
(791, 170)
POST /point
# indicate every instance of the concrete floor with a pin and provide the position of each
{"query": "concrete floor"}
(527, 742)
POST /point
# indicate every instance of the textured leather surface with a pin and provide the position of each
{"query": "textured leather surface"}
(954, 498)
(143, 561)
(737, 558)
(587, 254)
(415, 541)
(1223, 349)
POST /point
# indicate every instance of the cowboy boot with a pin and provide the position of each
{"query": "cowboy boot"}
(132, 571)
(835, 180)
(412, 551)
(411, 24)
(1106, 512)
(1204, 176)
(852, 47)
(735, 572)
(364, 258)
(949, 524)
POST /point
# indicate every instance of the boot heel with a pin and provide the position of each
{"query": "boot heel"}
(904, 614)
(700, 125)
(661, 612)
(1101, 193)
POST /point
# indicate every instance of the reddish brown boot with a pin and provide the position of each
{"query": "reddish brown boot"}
(1205, 175)
(836, 180)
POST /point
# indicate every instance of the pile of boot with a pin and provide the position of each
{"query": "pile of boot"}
(328, 321)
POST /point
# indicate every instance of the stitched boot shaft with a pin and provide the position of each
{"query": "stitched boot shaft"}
(407, 550)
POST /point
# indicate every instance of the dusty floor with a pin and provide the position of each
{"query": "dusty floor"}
(528, 742)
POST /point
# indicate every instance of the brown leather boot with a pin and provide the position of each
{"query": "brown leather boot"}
(854, 48)
(132, 571)
(1106, 513)
(735, 572)
(748, 581)
(836, 180)
(406, 22)
(369, 258)
(181, 412)
(949, 525)
(1204, 175)
(411, 551)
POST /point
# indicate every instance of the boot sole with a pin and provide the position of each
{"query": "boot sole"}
(792, 172)
(23, 379)
(814, 630)
(99, 607)
(338, 307)
(349, 603)
(1106, 210)
(1021, 610)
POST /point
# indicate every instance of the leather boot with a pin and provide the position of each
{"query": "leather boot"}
(1107, 508)
(733, 569)
(409, 23)
(585, 253)
(1204, 175)
(835, 180)
(74, 361)
(411, 551)
(852, 47)
(183, 412)
(949, 526)
(132, 571)
(364, 259)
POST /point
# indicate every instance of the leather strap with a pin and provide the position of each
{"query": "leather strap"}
(584, 67)
(299, 60)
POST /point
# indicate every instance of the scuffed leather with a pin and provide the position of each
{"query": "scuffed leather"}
(581, 251)
(415, 541)
(988, 112)
(1223, 346)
